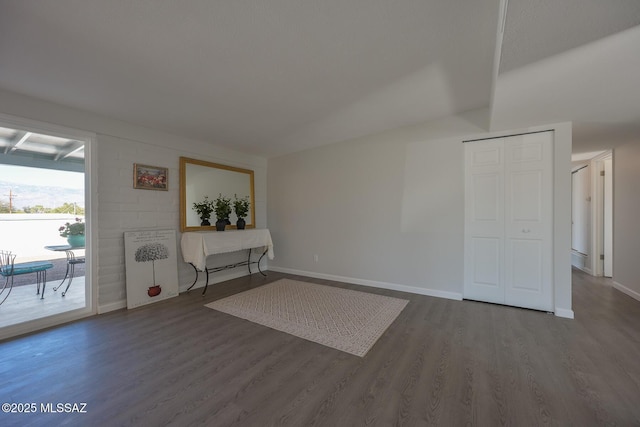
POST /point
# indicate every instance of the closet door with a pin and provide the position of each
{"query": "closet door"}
(529, 220)
(484, 225)
(508, 221)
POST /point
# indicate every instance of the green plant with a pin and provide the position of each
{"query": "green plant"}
(204, 208)
(222, 207)
(241, 206)
(72, 229)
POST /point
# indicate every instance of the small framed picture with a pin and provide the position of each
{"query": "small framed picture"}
(150, 177)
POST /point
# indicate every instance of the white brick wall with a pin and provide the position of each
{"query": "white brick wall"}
(122, 208)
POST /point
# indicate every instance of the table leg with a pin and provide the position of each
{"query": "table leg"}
(194, 282)
(206, 283)
(72, 268)
(262, 256)
(66, 274)
(248, 263)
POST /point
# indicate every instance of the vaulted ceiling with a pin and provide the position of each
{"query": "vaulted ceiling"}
(276, 76)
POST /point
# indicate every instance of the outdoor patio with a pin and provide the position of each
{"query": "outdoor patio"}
(23, 304)
(27, 236)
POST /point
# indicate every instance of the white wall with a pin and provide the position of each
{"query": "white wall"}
(626, 222)
(122, 208)
(384, 210)
(388, 209)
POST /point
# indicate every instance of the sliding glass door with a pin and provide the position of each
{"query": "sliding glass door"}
(45, 223)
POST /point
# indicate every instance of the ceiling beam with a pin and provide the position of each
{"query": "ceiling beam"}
(17, 140)
(70, 149)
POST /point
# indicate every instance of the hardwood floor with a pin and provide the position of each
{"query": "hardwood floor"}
(442, 362)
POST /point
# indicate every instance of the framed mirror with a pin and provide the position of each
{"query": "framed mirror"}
(199, 178)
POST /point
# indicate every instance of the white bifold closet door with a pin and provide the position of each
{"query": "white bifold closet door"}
(509, 220)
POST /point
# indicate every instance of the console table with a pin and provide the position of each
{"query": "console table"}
(198, 245)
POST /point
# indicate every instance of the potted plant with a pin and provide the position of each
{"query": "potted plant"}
(222, 207)
(74, 233)
(241, 208)
(204, 209)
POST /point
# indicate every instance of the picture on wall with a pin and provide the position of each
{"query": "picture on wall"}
(150, 177)
(151, 266)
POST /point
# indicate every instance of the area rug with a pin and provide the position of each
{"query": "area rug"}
(343, 319)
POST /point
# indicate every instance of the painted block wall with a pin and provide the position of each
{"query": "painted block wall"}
(122, 208)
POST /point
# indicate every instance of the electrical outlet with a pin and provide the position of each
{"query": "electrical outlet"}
(315, 258)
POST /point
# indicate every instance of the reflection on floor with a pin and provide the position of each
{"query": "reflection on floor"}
(23, 304)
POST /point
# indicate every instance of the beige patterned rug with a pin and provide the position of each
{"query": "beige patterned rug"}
(343, 319)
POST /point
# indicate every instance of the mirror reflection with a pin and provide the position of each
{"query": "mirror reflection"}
(200, 179)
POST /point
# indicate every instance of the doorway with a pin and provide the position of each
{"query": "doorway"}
(592, 213)
(44, 200)
(581, 218)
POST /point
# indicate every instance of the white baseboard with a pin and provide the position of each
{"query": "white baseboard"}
(213, 278)
(579, 261)
(633, 294)
(563, 312)
(585, 269)
(373, 283)
(112, 306)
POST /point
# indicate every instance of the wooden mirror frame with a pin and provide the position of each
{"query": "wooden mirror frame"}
(234, 178)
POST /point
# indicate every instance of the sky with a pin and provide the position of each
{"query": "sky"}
(43, 177)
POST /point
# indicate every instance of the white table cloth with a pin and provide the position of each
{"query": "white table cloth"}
(198, 245)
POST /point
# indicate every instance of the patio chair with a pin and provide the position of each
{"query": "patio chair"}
(8, 269)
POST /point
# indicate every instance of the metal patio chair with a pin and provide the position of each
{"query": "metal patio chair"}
(9, 269)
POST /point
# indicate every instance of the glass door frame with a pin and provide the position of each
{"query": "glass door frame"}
(90, 191)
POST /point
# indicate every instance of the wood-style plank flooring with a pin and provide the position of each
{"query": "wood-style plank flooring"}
(442, 362)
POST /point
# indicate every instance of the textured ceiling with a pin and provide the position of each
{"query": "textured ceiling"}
(275, 76)
(539, 29)
(265, 76)
(571, 60)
